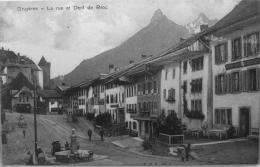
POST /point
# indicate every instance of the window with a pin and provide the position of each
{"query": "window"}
(143, 88)
(154, 87)
(116, 100)
(173, 73)
(252, 79)
(139, 106)
(236, 49)
(164, 93)
(223, 116)
(196, 86)
(171, 93)
(196, 105)
(251, 44)
(149, 85)
(184, 86)
(126, 124)
(155, 105)
(219, 84)
(134, 125)
(197, 64)
(221, 53)
(166, 73)
(139, 89)
(235, 81)
(111, 99)
(185, 67)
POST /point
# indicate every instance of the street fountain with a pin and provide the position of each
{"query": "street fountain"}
(74, 154)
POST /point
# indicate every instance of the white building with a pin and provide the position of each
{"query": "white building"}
(236, 71)
(131, 108)
(115, 102)
(170, 87)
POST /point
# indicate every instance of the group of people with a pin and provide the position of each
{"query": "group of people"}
(101, 132)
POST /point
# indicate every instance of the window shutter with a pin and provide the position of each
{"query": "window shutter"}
(240, 81)
(243, 81)
(232, 50)
(230, 83)
(246, 80)
(226, 53)
(216, 85)
(216, 54)
(225, 84)
(258, 78)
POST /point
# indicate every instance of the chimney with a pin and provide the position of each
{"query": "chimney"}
(182, 39)
(18, 54)
(111, 68)
(131, 61)
(143, 56)
(2, 48)
(116, 69)
(203, 27)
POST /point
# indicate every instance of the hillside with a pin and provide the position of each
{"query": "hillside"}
(160, 34)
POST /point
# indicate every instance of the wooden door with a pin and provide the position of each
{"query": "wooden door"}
(244, 123)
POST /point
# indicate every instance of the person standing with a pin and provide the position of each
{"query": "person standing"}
(102, 134)
(89, 134)
(24, 133)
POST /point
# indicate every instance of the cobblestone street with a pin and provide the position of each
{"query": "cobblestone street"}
(60, 129)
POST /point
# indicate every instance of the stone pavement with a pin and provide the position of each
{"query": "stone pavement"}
(128, 142)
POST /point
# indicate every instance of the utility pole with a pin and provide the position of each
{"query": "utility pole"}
(1, 91)
(34, 114)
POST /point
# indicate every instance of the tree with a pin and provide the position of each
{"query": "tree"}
(104, 119)
(171, 125)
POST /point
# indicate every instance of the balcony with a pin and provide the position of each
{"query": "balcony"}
(143, 114)
(101, 101)
(131, 111)
(170, 99)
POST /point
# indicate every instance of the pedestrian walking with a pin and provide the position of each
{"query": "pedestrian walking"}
(187, 151)
(67, 146)
(102, 134)
(89, 134)
(24, 133)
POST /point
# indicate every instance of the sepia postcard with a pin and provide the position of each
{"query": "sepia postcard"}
(130, 82)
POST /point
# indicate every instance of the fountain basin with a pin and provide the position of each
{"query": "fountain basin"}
(79, 155)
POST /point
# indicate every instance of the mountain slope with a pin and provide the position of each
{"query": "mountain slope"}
(160, 34)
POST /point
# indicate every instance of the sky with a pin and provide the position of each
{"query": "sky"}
(67, 37)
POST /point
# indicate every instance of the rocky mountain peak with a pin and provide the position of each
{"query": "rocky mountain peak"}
(157, 16)
(202, 19)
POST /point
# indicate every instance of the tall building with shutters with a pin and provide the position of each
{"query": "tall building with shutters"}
(235, 47)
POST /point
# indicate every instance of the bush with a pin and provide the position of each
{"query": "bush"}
(171, 125)
(74, 118)
(90, 116)
(146, 144)
(104, 119)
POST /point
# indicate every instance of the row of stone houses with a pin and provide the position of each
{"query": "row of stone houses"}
(20, 77)
(211, 79)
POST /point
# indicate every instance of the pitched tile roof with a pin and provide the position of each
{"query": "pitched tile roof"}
(52, 93)
(43, 61)
(19, 82)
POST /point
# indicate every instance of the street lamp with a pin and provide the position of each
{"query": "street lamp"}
(34, 113)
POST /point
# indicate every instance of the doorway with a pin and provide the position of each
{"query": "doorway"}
(244, 122)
